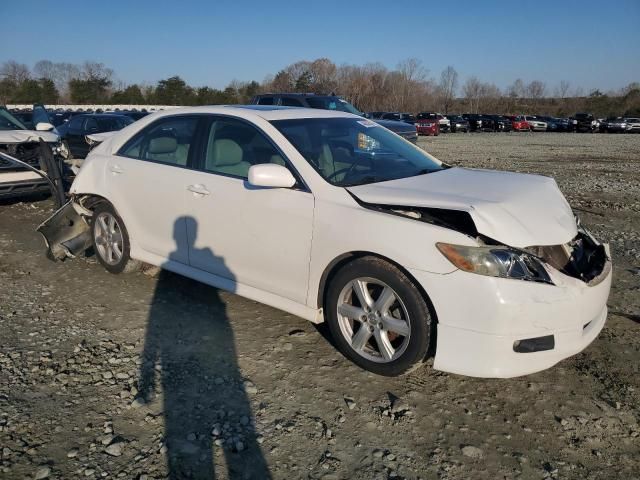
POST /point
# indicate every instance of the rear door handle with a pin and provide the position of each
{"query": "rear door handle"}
(198, 189)
(116, 169)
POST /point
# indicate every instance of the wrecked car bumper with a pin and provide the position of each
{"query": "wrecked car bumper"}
(517, 328)
(66, 233)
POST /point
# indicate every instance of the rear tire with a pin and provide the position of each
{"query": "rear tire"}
(388, 335)
(111, 240)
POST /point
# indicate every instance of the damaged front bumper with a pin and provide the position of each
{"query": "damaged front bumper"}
(67, 233)
(507, 327)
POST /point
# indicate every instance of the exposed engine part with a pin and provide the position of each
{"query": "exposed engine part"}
(453, 219)
(582, 258)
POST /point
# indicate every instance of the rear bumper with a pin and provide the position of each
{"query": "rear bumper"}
(477, 336)
(432, 130)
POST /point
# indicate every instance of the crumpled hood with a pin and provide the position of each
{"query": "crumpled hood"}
(21, 136)
(519, 210)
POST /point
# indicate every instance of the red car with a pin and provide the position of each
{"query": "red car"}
(428, 124)
(519, 123)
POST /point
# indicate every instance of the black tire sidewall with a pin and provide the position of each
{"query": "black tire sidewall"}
(122, 264)
(415, 303)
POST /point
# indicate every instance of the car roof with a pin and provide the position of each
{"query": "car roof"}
(266, 112)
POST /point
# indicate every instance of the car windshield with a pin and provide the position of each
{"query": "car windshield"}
(351, 151)
(9, 122)
(333, 103)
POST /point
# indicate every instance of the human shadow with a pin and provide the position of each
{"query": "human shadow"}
(189, 345)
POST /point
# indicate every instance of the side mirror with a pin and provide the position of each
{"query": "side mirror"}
(44, 127)
(271, 175)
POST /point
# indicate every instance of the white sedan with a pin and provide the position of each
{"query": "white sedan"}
(331, 217)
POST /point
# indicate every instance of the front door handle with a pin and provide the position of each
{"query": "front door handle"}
(116, 169)
(198, 189)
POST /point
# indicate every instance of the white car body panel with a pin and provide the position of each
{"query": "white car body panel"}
(504, 206)
(277, 244)
(22, 136)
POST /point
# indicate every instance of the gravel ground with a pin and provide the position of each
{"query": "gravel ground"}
(238, 390)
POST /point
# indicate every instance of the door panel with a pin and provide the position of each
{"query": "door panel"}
(150, 198)
(260, 237)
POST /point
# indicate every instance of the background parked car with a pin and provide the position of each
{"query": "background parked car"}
(500, 123)
(25, 117)
(399, 117)
(458, 124)
(535, 124)
(134, 115)
(428, 124)
(476, 122)
(332, 102)
(519, 123)
(633, 125)
(585, 122)
(73, 132)
(613, 125)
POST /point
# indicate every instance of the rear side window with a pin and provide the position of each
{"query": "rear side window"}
(291, 102)
(76, 123)
(168, 140)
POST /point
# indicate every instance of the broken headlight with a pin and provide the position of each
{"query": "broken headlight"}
(495, 261)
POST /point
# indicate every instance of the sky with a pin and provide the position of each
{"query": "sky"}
(591, 44)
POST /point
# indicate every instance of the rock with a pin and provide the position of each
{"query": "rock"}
(191, 437)
(244, 420)
(250, 388)
(138, 402)
(72, 453)
(115, 449)
(472, 452)
(107, 375)
(351, 403)
(42, 472)
(239, 446)
(377, 453)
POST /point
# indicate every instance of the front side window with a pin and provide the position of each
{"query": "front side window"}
(112, 124)
(168, 140)
(233, 146)
(350, 151)
(265, 101)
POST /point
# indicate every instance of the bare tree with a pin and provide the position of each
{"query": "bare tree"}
(15, 72)
(536, 90)
(563, 89)
(448, 87)
(472, 90)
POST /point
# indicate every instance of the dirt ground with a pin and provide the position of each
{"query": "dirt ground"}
(246, 391)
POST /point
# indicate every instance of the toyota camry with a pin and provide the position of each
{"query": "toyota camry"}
(333, 218)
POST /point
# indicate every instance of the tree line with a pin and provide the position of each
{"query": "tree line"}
(371, 87)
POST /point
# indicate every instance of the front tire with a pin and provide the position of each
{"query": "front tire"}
(378, 317)
(111, 240)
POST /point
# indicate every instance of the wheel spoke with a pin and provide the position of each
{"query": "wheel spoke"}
(350, 311)
(117, 237)
(103, 225)
(112, 224)
(385, 300)
(384, 345)
(360, 288)
(109, 252)
(359, 340)
(395, 325)
(116, 251)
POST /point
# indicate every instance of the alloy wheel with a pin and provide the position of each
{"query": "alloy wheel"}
(108, 238)
(373, 319)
